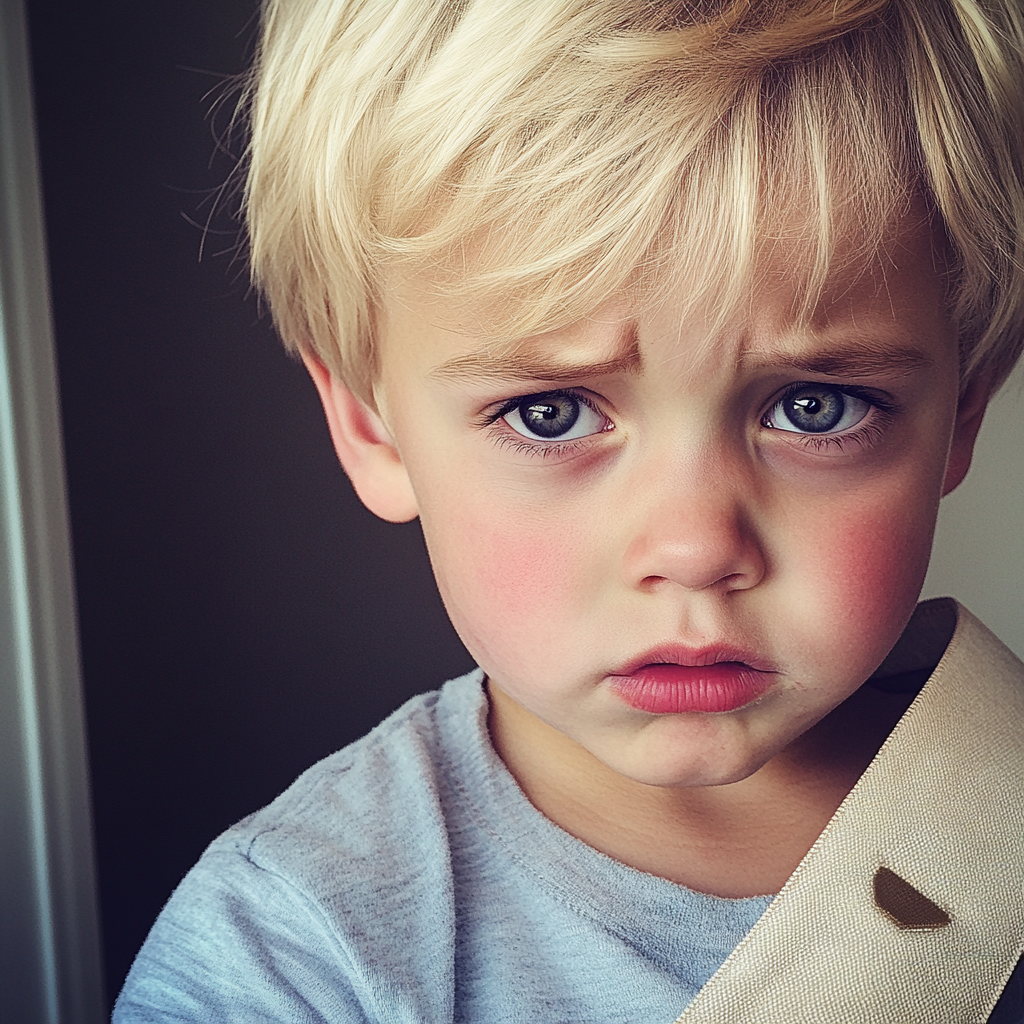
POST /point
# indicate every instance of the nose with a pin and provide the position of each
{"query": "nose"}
(696, 528)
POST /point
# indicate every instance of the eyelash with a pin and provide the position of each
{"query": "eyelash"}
(515, 442)
(865, 434)
(544, 451)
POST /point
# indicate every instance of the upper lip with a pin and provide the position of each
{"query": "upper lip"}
(694, 657)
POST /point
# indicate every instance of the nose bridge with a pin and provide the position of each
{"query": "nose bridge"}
(695, 522)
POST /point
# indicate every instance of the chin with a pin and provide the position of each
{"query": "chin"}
(693, 772)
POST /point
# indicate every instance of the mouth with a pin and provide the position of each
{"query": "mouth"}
(680, 680)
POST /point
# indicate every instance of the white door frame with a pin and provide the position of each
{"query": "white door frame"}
(49, 950)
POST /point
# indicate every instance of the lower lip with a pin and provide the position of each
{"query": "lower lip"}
(677, 689)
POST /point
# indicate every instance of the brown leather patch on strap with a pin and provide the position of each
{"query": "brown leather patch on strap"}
(904, 904)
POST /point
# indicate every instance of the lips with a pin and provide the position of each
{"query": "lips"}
(677, 680)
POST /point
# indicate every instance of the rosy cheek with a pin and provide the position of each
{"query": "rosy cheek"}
(869, 565)
(507, 584)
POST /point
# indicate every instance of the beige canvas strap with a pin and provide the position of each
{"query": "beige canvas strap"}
(934, 828)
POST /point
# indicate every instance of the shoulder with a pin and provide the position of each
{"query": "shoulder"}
(299, 905)
(374, 813)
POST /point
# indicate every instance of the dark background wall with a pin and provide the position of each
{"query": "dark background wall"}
(241, 614)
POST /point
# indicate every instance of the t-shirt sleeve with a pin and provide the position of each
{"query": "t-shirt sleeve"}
(237, 942)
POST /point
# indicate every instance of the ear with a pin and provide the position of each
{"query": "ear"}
(365, 448)
(969, 414)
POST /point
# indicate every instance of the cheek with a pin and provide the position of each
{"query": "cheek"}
(863, 569)
(509, 580)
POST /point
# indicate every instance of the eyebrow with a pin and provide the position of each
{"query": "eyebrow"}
(863, 359)
(520, 366)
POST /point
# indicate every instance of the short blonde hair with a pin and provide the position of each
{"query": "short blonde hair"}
(536, 157)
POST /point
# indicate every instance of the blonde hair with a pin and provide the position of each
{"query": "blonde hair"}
(536, 157)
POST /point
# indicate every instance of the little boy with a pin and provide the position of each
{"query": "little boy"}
(672, 322)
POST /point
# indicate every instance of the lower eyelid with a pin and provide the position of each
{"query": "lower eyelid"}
(866, 434)
(517, 442)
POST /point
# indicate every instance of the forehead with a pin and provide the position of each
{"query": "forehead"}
(886, 312)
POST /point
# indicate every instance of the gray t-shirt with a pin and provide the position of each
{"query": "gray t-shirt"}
(408, 879)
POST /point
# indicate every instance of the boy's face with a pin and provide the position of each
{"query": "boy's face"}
(762, 500)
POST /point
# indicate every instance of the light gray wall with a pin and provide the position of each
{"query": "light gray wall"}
(979, 544)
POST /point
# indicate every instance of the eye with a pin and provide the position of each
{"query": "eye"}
(817, 409)
(554, 416)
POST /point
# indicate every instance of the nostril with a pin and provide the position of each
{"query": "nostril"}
(729, 582)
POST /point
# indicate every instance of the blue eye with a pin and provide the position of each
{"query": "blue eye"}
(554, 416)
(817, 409)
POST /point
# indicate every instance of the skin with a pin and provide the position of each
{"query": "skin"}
(683, 517)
